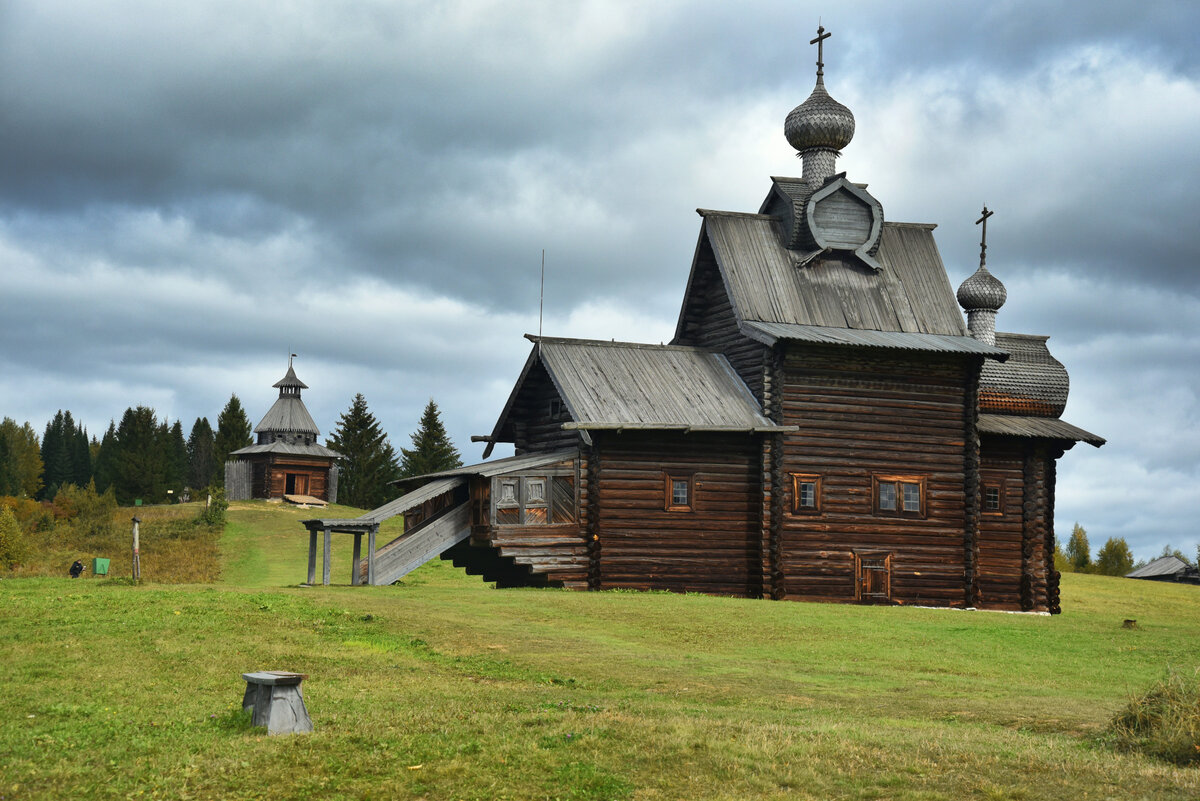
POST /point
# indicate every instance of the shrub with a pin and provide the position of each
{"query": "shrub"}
(90, 512)
(12, 541)
(1164, 721)
(214, 513)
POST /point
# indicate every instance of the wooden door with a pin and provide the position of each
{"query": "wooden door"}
(296, 484)
(873, 577)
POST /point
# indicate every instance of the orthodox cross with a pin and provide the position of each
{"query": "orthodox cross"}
(820, 43)
(983, 241)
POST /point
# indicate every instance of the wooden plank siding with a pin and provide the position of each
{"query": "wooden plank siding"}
(864, 414)
(713, 547)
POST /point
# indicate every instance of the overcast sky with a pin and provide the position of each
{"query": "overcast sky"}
(189, 192)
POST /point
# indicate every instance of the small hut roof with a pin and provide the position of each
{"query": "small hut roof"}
(290, 380)
(1162, 566)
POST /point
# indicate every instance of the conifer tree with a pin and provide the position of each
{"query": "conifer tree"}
(233, 433)
(201, 461)
(24, 457)
(141, 463)
(432, 449)
(106, 459)
(368, 459)
(175, 449)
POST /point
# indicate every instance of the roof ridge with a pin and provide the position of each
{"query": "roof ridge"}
(743, 214)
(534, 338)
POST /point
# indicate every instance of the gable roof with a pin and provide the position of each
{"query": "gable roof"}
(1162, 566)
(629, 385)
(768, 283)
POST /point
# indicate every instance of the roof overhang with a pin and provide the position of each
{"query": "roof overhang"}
(1036, 428)
(771, 333)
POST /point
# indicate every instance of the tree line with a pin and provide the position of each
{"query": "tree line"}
(148, 459)
(1113, 559)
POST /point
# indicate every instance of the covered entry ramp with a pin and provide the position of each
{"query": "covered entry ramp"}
(446, 524)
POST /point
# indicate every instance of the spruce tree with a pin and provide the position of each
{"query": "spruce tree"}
(368, 459)
(233, 433)
(56, 459)
(21, 465)
(141, 464)
(432, 450)
(106, 459)
(201, 461)
(175, 452)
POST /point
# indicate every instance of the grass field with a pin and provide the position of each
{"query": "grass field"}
(443, 688)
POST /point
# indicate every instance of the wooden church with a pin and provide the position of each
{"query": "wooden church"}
(285, 461)
(823, 426)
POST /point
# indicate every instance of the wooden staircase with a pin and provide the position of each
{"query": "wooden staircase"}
(410, 550)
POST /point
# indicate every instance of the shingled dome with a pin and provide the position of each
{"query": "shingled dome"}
(982, 291)
(819, 122)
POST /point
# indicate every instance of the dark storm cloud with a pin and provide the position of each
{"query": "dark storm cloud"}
(191, 192)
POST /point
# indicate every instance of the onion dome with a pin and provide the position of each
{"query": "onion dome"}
(819, 122)
(982, 291)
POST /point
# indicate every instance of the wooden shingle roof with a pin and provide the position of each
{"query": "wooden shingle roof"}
(288, 414)
(628, 385)
(1031, 382)
(768, 283)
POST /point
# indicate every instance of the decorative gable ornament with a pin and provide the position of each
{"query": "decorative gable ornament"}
(843, 216)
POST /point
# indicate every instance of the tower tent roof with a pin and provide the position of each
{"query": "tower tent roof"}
(288, 414)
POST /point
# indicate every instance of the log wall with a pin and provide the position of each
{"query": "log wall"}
(709, 322)
(1003, 534)
(875, 413)
(715, 547)
(534, 429)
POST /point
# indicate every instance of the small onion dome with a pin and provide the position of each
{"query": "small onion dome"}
(982, 291)
(819, 122)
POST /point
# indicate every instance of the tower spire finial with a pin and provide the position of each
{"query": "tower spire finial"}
(820, 43)
(983, 240)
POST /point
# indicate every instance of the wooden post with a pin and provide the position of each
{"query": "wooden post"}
(371, 555)
(354, 580)
(137, 559)
(312, 556)
(325, 562)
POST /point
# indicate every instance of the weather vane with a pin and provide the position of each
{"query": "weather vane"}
(820, 43)
(983, 241)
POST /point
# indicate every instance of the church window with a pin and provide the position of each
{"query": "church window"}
(806, 493)
(900, 496)
(679, 488)
(993, 495)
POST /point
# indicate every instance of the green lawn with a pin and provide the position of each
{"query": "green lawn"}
(443, 688)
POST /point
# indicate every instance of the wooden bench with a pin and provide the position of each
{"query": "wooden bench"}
(277, 702)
